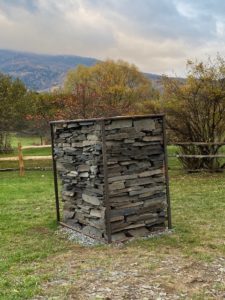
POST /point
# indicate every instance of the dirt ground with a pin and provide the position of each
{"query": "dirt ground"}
(116, 273)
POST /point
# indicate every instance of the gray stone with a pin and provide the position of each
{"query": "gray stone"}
(60, 166)
(94, 169)
(66, 145)
(79, 138)
(142, 217)
(73, 125)
(116, 237)
(151, 191)
(144, 192)
(131, 226)
(83, 168)
(116, 185)
(90, 143)
(92, 137)
(97, 223)
(77, 145)
(65, 135)
(84, 174)
(68, 193)
(123, 177)
(92, 231)
(129, 162)
(122, 212)
(143, 231)
(91, 190)
(72, 174)
(150, 173)
(73, 223)
(117, 136)
(122, 199)
(158, 202)
(119, 124)
(97, 213)
(116, 218)
(129, 141)
(156, 138)
(91, 199)
(68, 215)
(144, 124)
(140, 203)
(139, 181)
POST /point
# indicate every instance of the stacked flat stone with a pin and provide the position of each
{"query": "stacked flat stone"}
(129, 198)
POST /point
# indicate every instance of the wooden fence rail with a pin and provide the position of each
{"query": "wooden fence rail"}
(198, 144)
(197, 155)
(20, 158)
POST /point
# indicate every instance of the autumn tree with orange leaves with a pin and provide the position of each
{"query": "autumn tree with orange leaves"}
(106, 89)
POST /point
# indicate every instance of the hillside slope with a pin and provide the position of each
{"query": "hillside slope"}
(39, 72)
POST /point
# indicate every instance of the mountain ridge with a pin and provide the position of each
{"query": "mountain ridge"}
(42, 72)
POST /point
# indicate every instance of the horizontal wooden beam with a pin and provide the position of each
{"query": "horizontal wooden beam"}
(15, 158)
(197, 144)
(108, 118)
(36, 147)
(198, 156)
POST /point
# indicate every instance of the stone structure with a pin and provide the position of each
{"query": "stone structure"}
(112, 175)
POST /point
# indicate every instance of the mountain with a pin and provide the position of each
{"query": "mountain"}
(43, 72)
(40, 72)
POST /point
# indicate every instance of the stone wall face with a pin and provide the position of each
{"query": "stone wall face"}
(112, 176)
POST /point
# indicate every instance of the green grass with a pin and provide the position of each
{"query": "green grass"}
(198, 215)
(29, 152)
(24, 140)
(27, 225)
(28, 245)
(28, 164)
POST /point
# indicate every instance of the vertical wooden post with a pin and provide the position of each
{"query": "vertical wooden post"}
(55, 175)
(106, 185)
(166, 174)
(20, 158)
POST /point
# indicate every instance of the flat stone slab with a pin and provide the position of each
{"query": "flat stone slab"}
(119, 124)
(92, 231)
(91, 199)
(144, 124)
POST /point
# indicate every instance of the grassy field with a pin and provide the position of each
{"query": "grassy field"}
(38, 262)
(34, 260)
(26, 141)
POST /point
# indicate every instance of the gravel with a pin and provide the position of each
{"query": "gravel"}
(79, 238)
(84, 240)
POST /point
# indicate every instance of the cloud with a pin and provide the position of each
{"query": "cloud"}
(157, 35)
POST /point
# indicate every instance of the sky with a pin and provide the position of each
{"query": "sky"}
(158, 36)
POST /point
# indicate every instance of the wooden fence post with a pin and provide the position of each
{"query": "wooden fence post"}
(20, 158)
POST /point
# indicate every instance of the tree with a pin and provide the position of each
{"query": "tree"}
(13, 107)
(43, 110)
(196, 111)
(107, 89)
